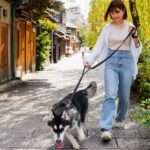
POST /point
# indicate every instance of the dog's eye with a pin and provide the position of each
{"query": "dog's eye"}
(60, 126)
(55, 127)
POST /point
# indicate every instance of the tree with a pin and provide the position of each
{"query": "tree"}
(96, 20)
(37, 7)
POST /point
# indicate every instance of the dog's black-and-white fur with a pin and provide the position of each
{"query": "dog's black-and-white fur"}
(70, 114)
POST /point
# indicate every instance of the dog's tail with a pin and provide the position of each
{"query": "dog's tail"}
(91, 89)
(90, 92)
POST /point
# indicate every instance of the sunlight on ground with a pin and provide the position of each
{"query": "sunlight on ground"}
(67, 63)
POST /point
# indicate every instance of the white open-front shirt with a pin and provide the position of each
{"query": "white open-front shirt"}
(101, 48)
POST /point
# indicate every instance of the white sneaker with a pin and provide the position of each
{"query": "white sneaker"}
(119, 125)
(105, 135)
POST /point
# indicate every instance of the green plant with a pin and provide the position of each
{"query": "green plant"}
(142, 114)
(144, 71)
(145, 104)
(47, 25)
(81, 36)
(44, 42)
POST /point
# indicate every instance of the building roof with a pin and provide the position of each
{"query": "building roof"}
(70, 25)
(50, 16)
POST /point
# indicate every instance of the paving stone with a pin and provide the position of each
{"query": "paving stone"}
(43, 132)
(17, 133)
(138, 149)
(5, 148)
(14, 118)
(120, 133)
(39, 142)
(133, 143)
(92, 131)
(34, 121)
(145, 134)
(29, 149)
(13, 142)
(134, 125)
(100, 148)
(7, 126)
(93, 120)
(95, 142)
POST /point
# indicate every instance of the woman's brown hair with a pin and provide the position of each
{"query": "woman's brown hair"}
(116, 4)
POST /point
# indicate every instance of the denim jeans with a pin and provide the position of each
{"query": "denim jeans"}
(119, 70)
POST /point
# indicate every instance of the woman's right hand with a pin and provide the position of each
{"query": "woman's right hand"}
(87, 65)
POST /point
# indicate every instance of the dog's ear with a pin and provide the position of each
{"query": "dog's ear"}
(53, 112)
(50, 123)
(65, 116)
(57, 112)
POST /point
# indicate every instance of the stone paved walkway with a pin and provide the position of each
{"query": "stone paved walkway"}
(23, 107)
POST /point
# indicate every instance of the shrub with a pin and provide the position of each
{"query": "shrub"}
(142, 85)
(142, 114)
(144, 71)
(44, 42)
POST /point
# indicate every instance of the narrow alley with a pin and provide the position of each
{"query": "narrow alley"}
(23, 107)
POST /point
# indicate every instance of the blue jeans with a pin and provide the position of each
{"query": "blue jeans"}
(119, 70)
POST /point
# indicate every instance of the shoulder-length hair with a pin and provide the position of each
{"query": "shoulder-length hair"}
(116, 4)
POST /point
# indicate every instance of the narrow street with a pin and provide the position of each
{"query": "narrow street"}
(23, 107)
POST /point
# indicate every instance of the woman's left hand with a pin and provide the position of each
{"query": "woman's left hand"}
(135, 36)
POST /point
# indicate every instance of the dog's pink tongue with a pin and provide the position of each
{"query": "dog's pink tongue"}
(59, 145)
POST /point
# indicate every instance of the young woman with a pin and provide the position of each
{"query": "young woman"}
(120, 70)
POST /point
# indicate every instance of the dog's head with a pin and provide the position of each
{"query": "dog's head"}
(59, 124)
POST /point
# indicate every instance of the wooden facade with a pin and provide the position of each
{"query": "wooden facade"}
(5, 72)
(23, 46)
(25, 43)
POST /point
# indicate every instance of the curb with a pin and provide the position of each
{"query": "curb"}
(6, 86)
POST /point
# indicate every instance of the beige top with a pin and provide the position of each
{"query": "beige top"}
(117, 35)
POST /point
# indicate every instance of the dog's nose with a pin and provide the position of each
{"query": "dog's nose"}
(58, 141)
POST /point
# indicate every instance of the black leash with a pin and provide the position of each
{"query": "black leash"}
(84, 72)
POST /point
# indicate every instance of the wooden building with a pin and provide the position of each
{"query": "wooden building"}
(5, 27)
(25, 44)
(17, 42)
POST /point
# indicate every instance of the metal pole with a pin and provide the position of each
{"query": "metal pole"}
(13, 60)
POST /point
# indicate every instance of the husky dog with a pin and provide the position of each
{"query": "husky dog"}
(69, 114)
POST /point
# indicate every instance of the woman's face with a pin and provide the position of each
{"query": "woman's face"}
(117, 15)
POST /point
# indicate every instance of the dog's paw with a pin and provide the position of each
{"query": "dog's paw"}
(81, 138)
(76, 146)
